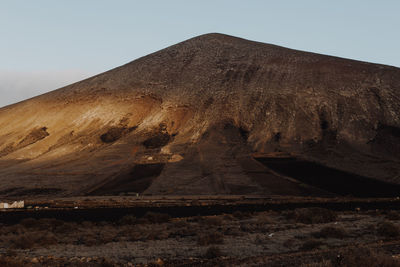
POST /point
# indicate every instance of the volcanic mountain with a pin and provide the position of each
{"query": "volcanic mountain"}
(214, 114)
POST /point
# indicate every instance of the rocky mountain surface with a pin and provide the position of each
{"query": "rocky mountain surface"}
(205, 116)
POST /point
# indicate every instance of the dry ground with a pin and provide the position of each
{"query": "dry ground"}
(319, 237)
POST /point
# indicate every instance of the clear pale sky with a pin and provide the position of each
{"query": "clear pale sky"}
(46, 44)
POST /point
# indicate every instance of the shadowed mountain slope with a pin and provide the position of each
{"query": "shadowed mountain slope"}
(190, 119)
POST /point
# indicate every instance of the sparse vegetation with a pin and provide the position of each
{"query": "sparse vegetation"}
(213, 252)
(24, 241)
(153, 217)
(263, 218)
(330, 232)
(202, 237)
(213, 221)
(7, 261)
(323, 263)
(388, 230)
(393, 215)
(311, 215)
(241, 215)
(366, 257)
(128, 219)
(311, 244)
(210, 238)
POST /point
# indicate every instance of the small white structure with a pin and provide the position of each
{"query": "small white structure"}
(14, 205)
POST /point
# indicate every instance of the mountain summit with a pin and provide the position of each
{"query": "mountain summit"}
(201, 117)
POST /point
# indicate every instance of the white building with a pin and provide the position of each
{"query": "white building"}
(14, 205)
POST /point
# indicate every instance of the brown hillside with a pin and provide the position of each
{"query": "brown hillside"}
(190, 119)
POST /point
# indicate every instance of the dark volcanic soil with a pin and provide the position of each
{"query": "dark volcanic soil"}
(332, 180)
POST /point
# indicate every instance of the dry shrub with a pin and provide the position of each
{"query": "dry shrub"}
(66, 228)
(107, 263)
(183, 228)
(128, 219)
(248, 227)
(135, 236)
(156, 234)
(28, 239)
(289, 243)
(15, 229)
(374, 213)
(213, 252)
(233, 231)
(264, 218)
(10, 252)
(195, 219)
(388, 230)
(23, 241)
(393, 215)
(311, 215)
(241, 215)
(52, 222)
(107, 234)
(46, 239)
(88, 239)
(311, 244)
(87, 225)
(331, 232)
(210, 238)
(183, 232)
(30, 223)
(213, 221)
(365, 257)
(6, 261)
(153, 217)
(180, 223)
(228, 217)
(323, 263)
(41, 224)
(146, 232)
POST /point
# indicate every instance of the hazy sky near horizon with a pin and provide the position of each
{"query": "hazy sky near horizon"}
(47, 44)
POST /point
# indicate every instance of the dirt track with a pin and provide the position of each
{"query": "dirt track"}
(98, 209)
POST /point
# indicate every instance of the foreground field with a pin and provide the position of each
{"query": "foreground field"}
(299, 237)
